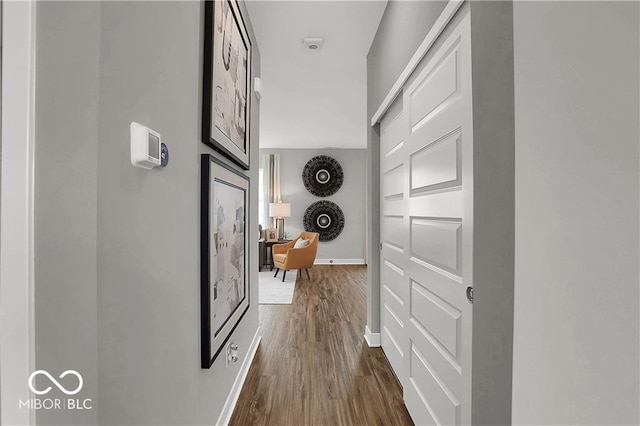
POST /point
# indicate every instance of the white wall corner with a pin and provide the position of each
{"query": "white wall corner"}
(234, 394)
(373, 339)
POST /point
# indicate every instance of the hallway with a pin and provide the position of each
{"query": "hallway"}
(482, 158)
(313, 365)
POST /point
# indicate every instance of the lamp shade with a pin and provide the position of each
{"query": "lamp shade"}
(279, 210)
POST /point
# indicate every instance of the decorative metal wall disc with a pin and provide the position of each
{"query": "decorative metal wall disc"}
(322, 176)
(325, 218)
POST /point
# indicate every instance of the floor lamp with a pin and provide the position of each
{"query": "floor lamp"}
(280, 211)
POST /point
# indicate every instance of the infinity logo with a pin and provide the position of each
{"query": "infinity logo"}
(55, 382)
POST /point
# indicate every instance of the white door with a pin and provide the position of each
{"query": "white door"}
(427, 223)
(394, 291)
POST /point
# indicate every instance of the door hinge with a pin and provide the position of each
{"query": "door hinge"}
(470, 294)
(380, 246)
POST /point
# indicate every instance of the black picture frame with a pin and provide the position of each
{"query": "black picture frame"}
(224, 254)
(226, 99)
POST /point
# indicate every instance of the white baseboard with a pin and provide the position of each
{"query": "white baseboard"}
(373, 339)
(234, 394)
(339, 262)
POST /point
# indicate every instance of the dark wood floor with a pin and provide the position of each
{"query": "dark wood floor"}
(313, 366)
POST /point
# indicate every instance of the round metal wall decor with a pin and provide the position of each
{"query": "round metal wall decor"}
(325, 218)
(322, 176)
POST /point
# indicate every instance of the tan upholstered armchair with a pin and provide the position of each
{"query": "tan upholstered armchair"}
(286, 257)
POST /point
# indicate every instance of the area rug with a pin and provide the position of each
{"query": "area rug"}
(272, 291)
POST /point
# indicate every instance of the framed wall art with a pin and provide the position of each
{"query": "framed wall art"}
(227, 81)
(224, 276)
(271, 234)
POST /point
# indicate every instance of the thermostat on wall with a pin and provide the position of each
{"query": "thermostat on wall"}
(146, 147)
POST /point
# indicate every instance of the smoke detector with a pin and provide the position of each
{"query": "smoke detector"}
(313, 43)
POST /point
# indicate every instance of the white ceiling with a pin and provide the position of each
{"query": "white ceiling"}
(314, 99)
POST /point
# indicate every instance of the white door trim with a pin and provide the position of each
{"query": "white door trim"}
(17, 332)
(441, 23)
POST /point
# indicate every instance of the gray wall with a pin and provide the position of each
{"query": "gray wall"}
(67, 85)
(576, 296)
(351, 198)
(149, 295)
(129, 234)
(493, 210)
(403, 27)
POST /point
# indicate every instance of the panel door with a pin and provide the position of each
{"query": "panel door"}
(427, 223)
(439, 224)
(393, 198)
